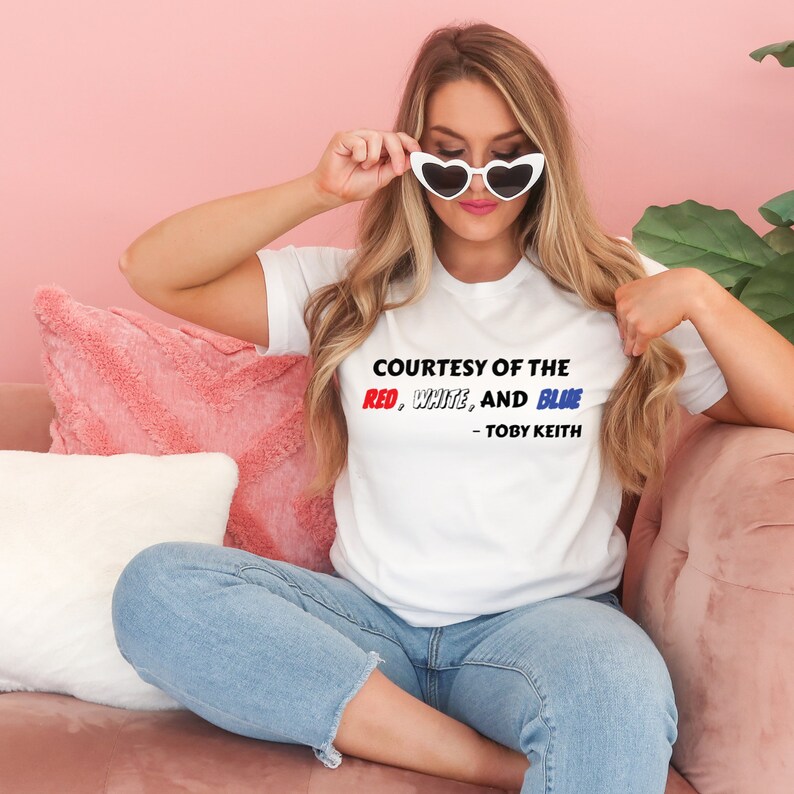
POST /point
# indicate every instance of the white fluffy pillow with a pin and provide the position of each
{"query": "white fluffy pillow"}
(68, 526)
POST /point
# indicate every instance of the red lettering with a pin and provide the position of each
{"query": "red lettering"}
(380, 398)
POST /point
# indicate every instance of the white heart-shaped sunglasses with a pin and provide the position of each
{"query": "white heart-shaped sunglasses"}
(448, 179)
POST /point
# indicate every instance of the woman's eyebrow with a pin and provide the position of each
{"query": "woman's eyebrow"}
(448, 131)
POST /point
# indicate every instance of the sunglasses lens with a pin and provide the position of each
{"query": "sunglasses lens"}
(509, 182)
(446, 181)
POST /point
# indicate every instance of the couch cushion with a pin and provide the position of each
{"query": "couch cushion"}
(56, 743)
(122, 382)
(68, 526)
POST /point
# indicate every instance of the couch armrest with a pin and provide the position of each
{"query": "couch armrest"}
(709, 578)
(25, 415)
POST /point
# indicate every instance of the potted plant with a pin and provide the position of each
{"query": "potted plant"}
(757, 270)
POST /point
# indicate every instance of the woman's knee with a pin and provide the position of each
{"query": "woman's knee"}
(149, 566)
(146, 581)
(635, 685)
(604, 668)
(612, 655)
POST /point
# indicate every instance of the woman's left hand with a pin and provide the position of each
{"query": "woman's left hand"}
(648, 307)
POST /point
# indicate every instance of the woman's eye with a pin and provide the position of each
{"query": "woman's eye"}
(497, 155)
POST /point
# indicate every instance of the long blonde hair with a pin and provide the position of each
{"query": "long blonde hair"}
(396, 235)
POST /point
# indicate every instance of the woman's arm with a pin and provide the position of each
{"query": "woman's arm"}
(203, 243)
(756, 361)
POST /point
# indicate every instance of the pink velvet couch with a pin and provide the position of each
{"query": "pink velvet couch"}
(709, 576)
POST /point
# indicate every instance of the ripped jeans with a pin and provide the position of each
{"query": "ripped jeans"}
(274, 651)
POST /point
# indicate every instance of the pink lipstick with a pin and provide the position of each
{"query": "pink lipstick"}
(479, 207)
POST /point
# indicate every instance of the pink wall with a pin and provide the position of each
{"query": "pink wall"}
(114, 119)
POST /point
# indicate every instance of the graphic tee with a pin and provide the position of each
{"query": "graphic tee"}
(473, 483)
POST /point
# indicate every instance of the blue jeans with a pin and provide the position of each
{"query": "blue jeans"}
(274, 651)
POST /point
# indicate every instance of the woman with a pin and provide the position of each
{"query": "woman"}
(478, 402)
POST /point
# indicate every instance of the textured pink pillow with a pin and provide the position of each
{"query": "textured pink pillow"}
(122, 382)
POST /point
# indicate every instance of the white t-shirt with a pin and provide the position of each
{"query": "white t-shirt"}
(473, 483)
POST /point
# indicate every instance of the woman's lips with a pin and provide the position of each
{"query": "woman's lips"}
(479, 207)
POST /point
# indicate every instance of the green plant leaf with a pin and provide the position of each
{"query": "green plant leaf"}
(781, 239)
(785, 326)
(770, 292)
(779, 211)
(737, 288)
(783, 51)
(691, 234)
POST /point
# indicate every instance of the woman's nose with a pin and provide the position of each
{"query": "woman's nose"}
(477, 183)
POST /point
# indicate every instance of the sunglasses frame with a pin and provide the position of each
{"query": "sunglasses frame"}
(535, 159)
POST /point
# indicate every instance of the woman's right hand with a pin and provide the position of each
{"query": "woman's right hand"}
(356, 164)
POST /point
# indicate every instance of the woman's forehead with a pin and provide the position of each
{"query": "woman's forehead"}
(469, 109)
(483, 132)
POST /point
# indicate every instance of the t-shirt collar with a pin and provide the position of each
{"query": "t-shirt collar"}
(481, 289)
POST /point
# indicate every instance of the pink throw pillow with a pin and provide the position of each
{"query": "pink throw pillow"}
(121, 382)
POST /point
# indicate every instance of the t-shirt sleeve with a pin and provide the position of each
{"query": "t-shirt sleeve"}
(292, 274)
(703, 383)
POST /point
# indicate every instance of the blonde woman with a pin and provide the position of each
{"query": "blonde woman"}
(481, 393)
